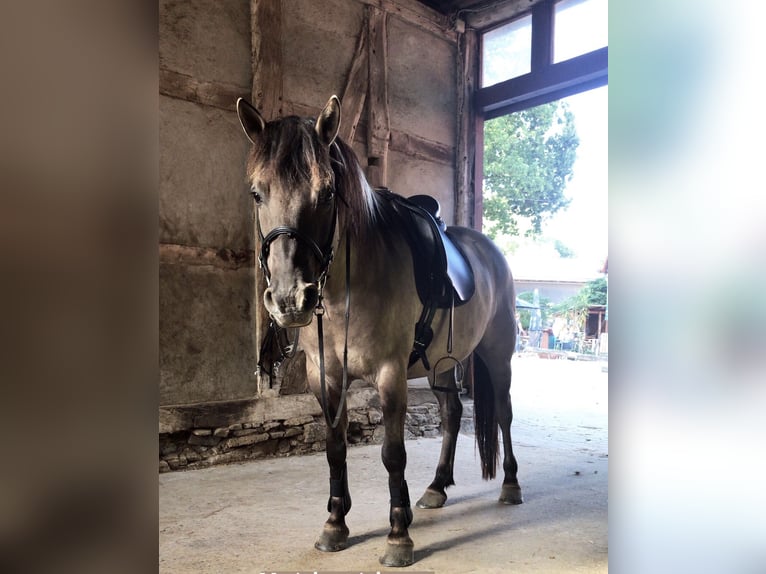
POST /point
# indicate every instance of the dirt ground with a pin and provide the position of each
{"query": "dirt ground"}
(264, 516)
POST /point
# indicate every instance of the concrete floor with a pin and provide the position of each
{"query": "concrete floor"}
(264, 516)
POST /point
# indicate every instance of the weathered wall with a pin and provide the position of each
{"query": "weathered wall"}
(211, 52)
(422, 97)
(206, 267)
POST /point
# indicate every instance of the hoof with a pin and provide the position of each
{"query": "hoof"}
(399, 554)
(511, 494)
(432, 499)
(332, 539)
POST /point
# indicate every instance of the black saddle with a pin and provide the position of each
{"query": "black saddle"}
(443, 275)
(459, 275)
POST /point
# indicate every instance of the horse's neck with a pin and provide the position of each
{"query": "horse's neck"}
(374, 269)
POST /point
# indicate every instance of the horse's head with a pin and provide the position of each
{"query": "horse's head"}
(293, 184)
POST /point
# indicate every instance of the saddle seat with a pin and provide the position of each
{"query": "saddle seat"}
(442, 273)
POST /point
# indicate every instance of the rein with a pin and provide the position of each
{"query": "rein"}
(319, 312)
(325, 257)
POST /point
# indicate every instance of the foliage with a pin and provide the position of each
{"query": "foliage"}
(563, 251)
(528, 159)
(576, 306)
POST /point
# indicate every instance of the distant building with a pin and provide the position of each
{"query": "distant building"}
(555, 290)
(556, 279)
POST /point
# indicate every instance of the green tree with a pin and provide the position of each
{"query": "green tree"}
(576, 306)
(528, 159)
(563, 251)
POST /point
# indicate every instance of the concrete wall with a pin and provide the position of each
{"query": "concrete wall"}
(207, 271)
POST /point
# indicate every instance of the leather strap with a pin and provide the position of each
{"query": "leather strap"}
(320, 336)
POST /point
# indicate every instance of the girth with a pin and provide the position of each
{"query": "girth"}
(443, 275)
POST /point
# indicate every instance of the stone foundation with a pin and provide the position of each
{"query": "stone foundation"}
(207, 435)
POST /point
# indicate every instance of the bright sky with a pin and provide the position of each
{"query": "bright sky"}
(580, 26)
(583, 226)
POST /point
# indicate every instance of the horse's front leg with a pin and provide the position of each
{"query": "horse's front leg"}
(392, 386)
(334, 535)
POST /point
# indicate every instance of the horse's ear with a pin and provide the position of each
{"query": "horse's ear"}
(252, 122)
(328, 121)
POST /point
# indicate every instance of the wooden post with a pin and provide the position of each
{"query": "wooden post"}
(355, 92)
(266, 39)
(478, 170)
(378, 124)
(466, 133)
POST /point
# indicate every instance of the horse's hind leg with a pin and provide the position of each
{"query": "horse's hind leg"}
(495, 354)
(511, 491)
(451, 410)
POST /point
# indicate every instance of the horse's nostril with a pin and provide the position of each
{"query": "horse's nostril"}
(310, 297)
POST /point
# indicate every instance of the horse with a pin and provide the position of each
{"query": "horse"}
(334, 249)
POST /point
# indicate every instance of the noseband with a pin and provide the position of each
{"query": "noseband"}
(324, 256)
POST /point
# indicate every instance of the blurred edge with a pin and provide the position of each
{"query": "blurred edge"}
(78, 236)
(687, 306)
(78, 213)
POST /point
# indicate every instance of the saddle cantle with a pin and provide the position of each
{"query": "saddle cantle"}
(443, 275)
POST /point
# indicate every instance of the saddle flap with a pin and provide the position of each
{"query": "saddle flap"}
(458, 269)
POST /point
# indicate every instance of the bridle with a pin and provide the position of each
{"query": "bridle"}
(325, 257)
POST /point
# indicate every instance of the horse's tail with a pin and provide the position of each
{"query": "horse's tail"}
(484, 418)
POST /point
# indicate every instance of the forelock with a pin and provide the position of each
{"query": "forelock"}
(289, 150)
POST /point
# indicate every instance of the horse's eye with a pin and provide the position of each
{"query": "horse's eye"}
(327, 195)
(257, 197)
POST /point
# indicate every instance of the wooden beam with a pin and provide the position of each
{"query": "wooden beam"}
(216, 94)
(478, 178)
(542, 35)
(551, 83)
(266, 38)
(465, 193)
(355, 92)
(267, 95)
(418, 14)
(421, 148)
(378, 122)
(496, 14)
(170, 253)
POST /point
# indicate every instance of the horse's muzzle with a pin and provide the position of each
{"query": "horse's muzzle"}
(294, 308)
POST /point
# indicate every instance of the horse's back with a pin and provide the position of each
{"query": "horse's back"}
(483, 255)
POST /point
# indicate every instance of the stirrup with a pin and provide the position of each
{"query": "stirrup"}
(458, 378)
